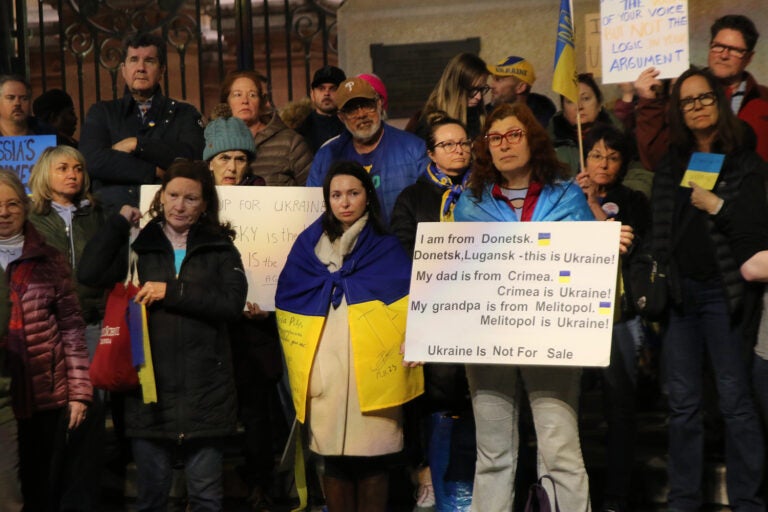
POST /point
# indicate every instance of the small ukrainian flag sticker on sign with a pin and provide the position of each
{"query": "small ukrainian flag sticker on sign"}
(544, 238)
(565, 276)
(604, 308)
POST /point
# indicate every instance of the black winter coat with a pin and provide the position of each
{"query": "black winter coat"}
(187, 330)
(419, 202)
(171, 129)
(634, 210)
(735, 239)
(446, 385)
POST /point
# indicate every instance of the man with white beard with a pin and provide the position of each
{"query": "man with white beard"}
(393, 157)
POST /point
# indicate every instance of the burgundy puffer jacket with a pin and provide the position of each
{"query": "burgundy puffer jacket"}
(56, 359)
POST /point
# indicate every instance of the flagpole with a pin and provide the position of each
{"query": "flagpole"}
(578, 97)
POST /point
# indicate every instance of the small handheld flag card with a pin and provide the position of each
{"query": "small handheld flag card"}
(703, 170)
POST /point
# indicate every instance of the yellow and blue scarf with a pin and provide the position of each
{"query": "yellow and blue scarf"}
(451, 191)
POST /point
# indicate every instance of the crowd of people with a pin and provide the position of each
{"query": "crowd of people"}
(341, 299)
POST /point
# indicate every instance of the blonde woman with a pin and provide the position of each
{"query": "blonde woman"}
(64, 212)
(459, 93)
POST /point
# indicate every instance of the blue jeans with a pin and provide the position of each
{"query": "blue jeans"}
(620, 384)
(702, 327)
(202, 466)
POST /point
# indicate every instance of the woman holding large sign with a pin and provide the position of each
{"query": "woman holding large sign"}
(341, 306)
(517, 177)
(708, 150)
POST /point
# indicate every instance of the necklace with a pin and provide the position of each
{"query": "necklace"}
(178, 240)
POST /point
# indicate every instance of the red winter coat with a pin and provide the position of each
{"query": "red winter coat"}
(53, 369)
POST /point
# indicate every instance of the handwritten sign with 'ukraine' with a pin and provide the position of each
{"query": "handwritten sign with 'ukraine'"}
(638, 34)
(266, 221)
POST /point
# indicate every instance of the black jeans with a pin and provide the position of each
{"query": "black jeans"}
(42, 442)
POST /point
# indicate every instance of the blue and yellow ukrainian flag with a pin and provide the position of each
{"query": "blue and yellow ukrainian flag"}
(703, 170)
(564, 79)
(565, 276)
(374, 280)
(544, 238)
(604, 308)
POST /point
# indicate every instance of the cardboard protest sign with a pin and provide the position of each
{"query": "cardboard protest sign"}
(638, 34)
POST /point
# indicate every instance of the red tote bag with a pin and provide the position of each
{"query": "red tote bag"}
(112, 367)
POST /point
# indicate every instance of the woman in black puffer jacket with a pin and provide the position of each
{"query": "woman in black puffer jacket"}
(193, 286)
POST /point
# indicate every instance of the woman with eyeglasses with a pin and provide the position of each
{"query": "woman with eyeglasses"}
(517, 178)
(432, 199)
(283, 158)
(45, 354)
(703, 238)
(606, 155)
(459, 93)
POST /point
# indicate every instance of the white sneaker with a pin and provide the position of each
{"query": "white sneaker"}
(425, 496)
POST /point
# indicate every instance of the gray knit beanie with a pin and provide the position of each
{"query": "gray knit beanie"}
(227, 133)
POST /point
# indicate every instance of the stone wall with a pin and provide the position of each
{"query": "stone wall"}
(511, 27)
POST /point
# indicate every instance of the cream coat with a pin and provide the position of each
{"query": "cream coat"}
(336, 424)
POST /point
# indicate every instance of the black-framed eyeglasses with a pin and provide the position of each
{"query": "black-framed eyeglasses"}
(366, 107)
(482, 90)
(705, 100)
(513, 136)
(732, 50)
(450, 146)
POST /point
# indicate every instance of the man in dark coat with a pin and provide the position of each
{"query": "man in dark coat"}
(130, 141)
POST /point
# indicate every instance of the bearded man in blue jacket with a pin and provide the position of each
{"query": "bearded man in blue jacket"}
(394, 158)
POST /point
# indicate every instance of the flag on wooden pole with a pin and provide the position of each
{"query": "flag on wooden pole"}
(564, 78)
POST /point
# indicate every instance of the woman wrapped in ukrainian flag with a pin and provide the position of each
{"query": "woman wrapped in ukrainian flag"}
(341, 307)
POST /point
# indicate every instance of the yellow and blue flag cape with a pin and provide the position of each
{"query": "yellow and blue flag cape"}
(374, 279)
(559, 201)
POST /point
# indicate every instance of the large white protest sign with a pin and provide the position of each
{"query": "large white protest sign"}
(539, 293)
(638, 34)
(267, 221)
